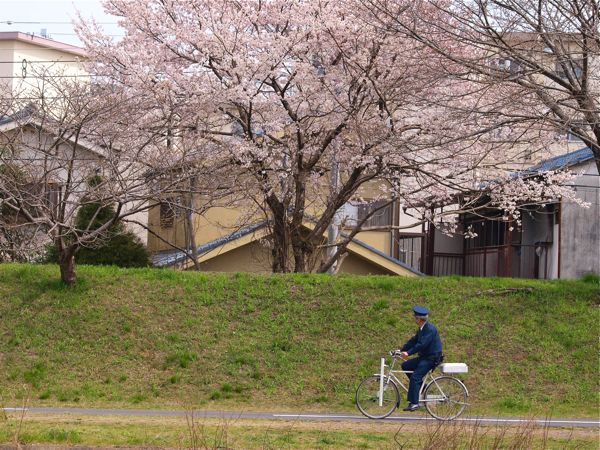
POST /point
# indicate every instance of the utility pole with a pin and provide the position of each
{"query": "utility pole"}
(333, 231)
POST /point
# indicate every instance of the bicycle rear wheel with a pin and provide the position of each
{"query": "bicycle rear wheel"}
(445, 398)
(367, 397)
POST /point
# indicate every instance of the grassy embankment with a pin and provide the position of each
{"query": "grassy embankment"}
(166, 339)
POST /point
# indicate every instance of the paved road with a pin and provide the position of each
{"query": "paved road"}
(418, 417)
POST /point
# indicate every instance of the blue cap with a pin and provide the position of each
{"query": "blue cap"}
(420, 310)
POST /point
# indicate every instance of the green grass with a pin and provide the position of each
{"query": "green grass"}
(161, 338)
(172, 433)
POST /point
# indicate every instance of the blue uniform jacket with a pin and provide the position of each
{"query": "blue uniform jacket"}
(426, 342)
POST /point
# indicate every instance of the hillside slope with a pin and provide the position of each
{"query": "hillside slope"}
(160, 338)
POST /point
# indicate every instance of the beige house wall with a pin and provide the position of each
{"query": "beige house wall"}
(27, 56)
(7, 68)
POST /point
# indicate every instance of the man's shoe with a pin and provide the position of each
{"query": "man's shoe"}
(411, 407)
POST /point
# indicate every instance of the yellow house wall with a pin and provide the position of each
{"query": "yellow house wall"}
(175, 234)
(217, 222)
(214, 223)
(359, 266)
(255, 258)
(371, 189)
(252, 257)
(381, 240)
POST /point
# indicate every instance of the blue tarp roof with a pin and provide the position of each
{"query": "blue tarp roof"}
(560, 162)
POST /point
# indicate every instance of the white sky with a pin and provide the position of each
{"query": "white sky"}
(53, 15)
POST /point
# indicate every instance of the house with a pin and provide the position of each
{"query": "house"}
(25, 57)
(558, 240)
(225, 244)
(27, 62)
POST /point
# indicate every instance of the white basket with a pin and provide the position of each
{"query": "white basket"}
(454, 368)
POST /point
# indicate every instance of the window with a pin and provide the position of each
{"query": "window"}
(572, 66)
(507, 65)
(52, 196)
(169, 210)
(574, 137)
(41, 198)
(347, 215)
(490, 233)
(381, 218)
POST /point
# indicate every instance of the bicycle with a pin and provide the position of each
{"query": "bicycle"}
(445, 397)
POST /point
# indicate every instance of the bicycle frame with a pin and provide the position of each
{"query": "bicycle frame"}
(429, 378)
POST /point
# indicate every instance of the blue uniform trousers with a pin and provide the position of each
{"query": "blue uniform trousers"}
(420, 366)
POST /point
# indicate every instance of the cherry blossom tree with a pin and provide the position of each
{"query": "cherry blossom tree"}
(68, 144)
(312, 103)
(543, 55)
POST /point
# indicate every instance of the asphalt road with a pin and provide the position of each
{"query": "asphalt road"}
(415, 417)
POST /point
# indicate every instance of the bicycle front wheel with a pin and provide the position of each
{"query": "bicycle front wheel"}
(367, 397)
(445, 398)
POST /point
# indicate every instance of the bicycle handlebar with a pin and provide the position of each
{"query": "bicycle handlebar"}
(396, 354)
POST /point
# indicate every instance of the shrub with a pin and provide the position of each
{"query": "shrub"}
(591, 277)
(120, 247)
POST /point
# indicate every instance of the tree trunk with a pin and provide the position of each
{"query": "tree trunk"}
(303, 252)
(279, 235)
(66, 258)
(279, 251)
(300, 256)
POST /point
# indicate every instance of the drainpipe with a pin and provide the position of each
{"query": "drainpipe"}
(395, 232)
(431, 246)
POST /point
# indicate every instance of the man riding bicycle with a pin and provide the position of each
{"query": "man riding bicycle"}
(427, 343)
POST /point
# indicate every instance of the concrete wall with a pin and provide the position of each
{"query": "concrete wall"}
(580, 233)
(539, 227)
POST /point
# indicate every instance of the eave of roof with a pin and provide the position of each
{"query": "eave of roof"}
(19, 119)
(386, 256)
(177, 257)
(559, 162)
(42, 42)
(169, 258)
